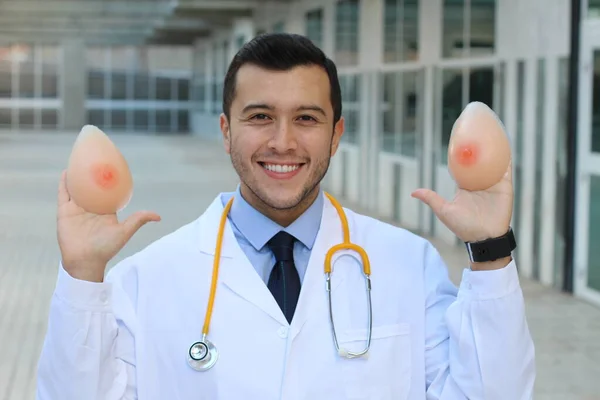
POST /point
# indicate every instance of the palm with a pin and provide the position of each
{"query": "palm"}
(95, 236)
(474, 215)
(89, 239)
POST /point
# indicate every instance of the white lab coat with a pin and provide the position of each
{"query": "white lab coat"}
(128, 338)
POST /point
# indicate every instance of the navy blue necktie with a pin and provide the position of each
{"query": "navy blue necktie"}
(284, 281)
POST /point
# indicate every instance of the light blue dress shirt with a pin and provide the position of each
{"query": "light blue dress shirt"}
(253, 230)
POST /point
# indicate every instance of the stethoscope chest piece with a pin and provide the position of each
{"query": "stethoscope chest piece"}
(202, 355)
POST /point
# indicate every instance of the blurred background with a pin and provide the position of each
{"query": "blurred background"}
(150, 74)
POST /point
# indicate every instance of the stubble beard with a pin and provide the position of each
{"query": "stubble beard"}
(302, 200)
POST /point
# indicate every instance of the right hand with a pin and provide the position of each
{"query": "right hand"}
(88, 241)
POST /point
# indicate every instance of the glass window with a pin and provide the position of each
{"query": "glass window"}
(480, 37)
(595, 145)
(96, 117)
(518, 148)
(183, 123)
(226, 60)
(26, 118)
(539, 158)
(118, 86)
(346, 32)
(481, 86)
(350, 86)
(163, 88)
(593, 272)
(401, 30)
(50, 60)
(314, 26)
(5, 118)
(141, 120)
(95, 85)
(593, 8)
(118, 119)
(183, 89)
(5, 73)
(279, 27)
(25, 57)
(141, 86)
(240, 41)
(402, 93)
(561, 172)
(49, 119)
(163, 121)
(452, 105)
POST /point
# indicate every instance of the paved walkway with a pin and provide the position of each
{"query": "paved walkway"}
(178, 177)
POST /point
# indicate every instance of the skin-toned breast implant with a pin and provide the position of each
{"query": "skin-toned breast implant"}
(479, 149)
(98, 177)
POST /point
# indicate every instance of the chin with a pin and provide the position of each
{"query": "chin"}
(282, 199)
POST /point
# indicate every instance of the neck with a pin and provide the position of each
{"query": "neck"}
(282, 217)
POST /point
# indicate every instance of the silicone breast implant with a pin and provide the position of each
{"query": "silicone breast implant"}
(479, 149)
(98, 177)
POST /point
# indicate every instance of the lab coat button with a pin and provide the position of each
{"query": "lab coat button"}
(282, 332)
(103, 297)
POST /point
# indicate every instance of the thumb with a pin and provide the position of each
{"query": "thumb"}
(431, 198)
(135, 221)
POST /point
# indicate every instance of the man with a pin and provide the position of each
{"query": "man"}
(128, 336)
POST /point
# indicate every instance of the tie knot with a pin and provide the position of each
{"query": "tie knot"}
(282, 246)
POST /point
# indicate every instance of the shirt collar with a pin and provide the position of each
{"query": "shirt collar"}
(258, 229)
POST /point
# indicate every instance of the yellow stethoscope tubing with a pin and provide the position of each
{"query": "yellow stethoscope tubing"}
(215, 273)
(345, 245)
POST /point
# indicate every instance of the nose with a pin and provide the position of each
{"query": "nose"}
(283, 139)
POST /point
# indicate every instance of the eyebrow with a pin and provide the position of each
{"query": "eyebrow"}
(263, 106)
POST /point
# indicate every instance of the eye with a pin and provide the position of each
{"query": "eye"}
(259, 117)
(307, 118)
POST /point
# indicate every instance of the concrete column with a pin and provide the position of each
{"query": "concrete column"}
(74, 84)
(430, 45)
(370, 53)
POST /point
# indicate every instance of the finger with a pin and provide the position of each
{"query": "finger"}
(135, 221)
(431, 198)
(63, 193)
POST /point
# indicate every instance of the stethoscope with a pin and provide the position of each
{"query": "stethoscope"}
(203, 354)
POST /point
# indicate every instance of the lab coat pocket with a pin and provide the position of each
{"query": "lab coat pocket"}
(384, 373)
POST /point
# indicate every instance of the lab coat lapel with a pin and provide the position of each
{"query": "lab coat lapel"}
(235, 271)
(313, 295)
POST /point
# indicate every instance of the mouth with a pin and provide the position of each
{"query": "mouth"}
(281, 171)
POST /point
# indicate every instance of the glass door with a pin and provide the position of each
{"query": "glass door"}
(587, 236)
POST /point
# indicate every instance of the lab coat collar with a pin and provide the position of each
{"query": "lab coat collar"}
(238, 275)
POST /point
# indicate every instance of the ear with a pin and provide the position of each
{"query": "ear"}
(338, 131)
(225, 131)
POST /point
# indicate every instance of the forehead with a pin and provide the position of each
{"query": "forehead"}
(299, 84)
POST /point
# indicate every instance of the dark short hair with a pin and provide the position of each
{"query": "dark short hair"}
(282, 52)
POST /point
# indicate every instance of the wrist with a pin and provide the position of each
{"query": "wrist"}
(492, 253)
(491, 265)
(89, 272)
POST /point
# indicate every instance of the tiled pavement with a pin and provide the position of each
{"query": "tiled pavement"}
(178, 177)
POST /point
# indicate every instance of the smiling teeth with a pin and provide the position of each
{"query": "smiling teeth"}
(281, 168)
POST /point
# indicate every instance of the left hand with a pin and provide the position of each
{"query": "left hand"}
(474, 216)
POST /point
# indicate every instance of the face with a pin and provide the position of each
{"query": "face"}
(281, 136)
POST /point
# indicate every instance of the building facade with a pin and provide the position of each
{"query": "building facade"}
(407, 69)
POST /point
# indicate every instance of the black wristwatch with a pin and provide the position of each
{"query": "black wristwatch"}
(492, 249)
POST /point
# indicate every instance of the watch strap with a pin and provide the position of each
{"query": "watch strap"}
(492, 249)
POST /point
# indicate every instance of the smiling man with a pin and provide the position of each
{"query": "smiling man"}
(257, 259)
